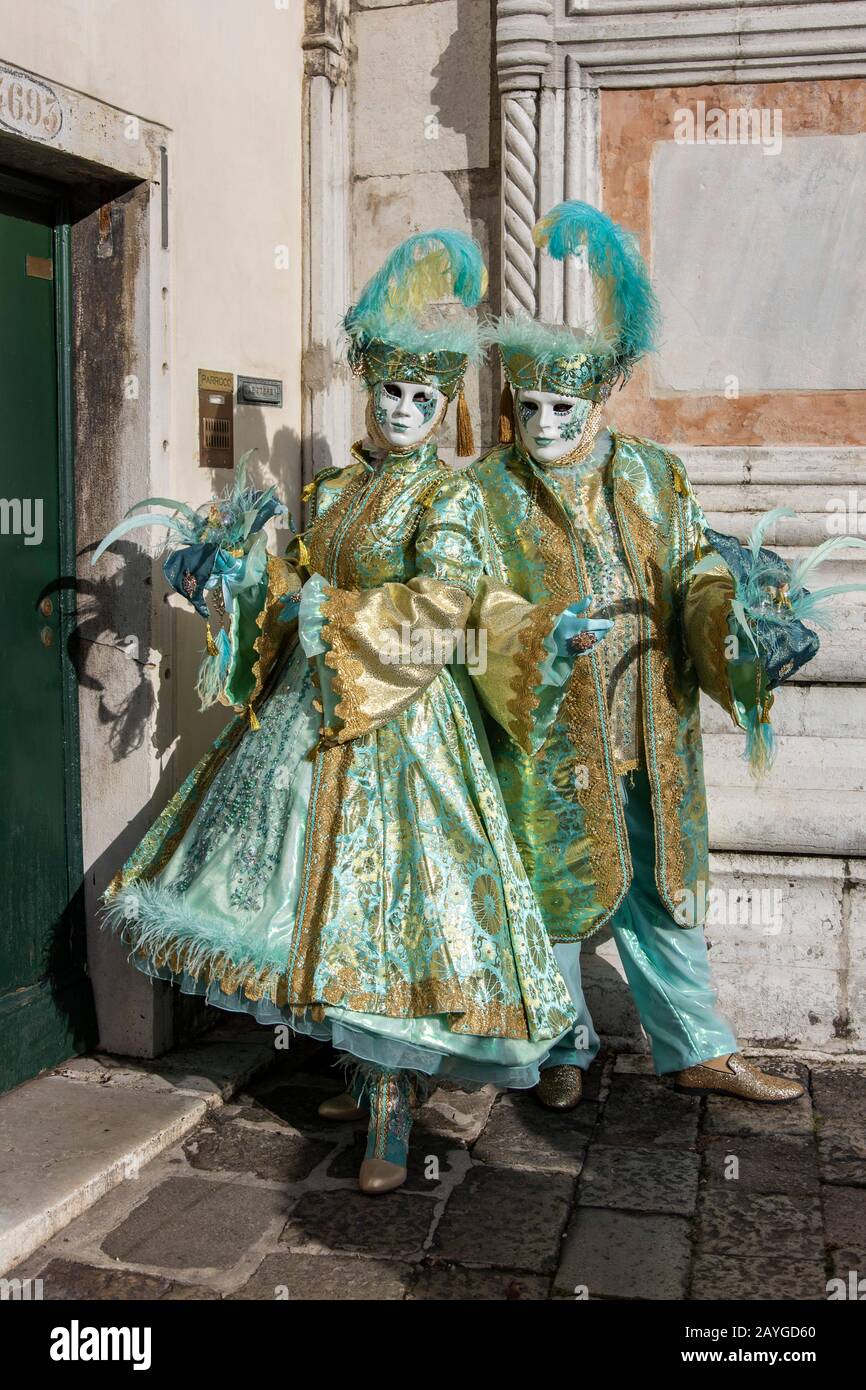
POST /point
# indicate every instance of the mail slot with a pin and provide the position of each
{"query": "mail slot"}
(216, 419)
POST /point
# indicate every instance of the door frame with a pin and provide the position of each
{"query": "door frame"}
(55, 200)
(115, 166)
(52, 200)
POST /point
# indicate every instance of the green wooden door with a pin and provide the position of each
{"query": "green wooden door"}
(46, 1011)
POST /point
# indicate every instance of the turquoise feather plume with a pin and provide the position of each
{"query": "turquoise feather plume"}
(812, 604)
(423, 269)
(771, 605)
(240, 510)
(763, 525)
(800, 603)
(626, 302)
(132, 523)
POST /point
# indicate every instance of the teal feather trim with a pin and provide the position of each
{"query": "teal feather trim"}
(175, 506)
(763, 525)
(626, 302)
(770, 604)
(819, 555)
(155, 921)
(132, 523)
(812, 607)
(213, 671)
(363, 1077)
(760, 750)
(545, 343)
(800, 603)
(439, 333)
(227, 520)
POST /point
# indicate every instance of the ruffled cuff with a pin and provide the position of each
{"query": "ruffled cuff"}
(311, 620)
(555, 669)
(529, 659)
(385, 648)
(311, 616)
(571, 624)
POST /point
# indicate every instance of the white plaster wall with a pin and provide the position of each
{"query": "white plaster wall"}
(799, 833)
(430, 63)
(424, 154)
(226, 79)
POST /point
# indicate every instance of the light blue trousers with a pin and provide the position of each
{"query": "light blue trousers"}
(667, 966)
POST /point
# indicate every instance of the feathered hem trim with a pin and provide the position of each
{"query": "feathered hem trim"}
(158, 925)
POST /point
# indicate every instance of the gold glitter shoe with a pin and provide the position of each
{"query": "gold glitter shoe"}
(377, 1175)
(560, 1088)
(343, 1107)
(741, 1078)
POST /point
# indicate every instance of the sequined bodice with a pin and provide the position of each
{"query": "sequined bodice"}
(367, 515)
(391, 519)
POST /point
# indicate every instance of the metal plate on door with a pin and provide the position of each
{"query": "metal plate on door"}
(39, 267)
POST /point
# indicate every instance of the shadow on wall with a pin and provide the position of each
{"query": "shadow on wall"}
(457, 86)
(460, 97)
(109, 612)
(110, 654)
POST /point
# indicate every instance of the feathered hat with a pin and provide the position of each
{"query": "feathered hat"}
(582, 362)
(398, 332)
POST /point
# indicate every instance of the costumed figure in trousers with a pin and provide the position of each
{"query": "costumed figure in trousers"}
(341, 859)
(610, 813)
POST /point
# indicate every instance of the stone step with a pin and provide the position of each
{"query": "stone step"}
(739, 511)
(826, 500)
(839, 468)
(71, 1135)
(803, 763)
(819, 711)
(815, 710)
(785, 822)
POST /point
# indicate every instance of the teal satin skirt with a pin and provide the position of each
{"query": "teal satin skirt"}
(427, 892)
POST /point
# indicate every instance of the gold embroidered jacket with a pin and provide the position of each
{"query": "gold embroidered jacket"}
(565, 801)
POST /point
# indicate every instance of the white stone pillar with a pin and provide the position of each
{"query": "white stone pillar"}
(327, 416)
(524, 51)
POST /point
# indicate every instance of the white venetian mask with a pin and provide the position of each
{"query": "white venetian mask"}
(550, 426)
(406, 412)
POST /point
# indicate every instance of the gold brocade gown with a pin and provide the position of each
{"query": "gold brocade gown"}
(368, 891)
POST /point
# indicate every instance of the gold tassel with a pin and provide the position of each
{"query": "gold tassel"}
(255, 723)
(506, 415)
(303, 553)
(309, 491)
(465, 437)
(212, 648)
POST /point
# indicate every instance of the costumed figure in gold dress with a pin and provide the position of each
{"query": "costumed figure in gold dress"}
(341, 859)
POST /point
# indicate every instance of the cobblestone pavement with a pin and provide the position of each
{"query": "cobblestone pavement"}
(641, 1193)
